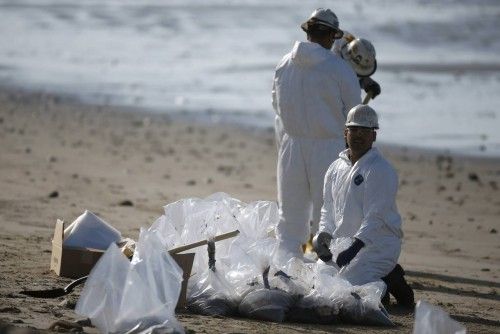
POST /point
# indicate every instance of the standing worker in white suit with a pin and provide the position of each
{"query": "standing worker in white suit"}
(312, 91)
(360, 203)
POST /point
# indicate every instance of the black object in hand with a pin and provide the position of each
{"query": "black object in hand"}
(321, 245)
(370, 86)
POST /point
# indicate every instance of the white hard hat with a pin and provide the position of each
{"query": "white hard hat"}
(325, 18)
(361, 54)
(362, 115)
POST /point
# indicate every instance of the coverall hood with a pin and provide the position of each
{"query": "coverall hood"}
(307, 54)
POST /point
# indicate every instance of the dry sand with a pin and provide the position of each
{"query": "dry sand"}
(58, 158)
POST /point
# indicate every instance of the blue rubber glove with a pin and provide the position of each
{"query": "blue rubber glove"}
(346, 256)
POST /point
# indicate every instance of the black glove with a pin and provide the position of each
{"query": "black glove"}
(370, 86)
(346, 256)
(321, 245)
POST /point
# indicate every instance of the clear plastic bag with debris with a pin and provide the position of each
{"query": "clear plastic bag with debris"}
(358, 304)
(318, 306)
(262, 302)
(211, 294)
(139, 296)
(362, 305)
(266, 303)
(332, 299)
(250, 274)
(194, 219)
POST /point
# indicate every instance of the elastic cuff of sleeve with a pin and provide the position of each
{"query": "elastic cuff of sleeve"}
(366, 241)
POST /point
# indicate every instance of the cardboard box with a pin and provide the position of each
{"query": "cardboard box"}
(71, 261)
(76, 262)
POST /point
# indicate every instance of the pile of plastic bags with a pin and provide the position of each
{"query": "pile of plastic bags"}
(241, 276)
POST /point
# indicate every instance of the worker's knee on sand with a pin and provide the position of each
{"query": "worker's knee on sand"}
(367, 267)
(360, 273)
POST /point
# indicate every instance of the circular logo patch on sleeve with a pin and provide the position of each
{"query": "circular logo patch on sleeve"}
(358, 179)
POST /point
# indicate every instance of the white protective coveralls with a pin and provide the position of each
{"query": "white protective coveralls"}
(313, 90)
(360, 202)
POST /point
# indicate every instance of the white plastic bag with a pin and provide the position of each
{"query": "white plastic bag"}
(101, 297)
(120, 296)
(90, 231)
(431, 319)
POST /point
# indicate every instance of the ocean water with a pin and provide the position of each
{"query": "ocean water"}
(439, 64)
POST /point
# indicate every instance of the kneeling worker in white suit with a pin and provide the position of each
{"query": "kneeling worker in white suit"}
(360, 203)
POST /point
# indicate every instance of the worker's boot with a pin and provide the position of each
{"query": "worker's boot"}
(397, 286)
(386, 299)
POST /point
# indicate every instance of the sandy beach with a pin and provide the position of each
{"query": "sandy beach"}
(59, 157)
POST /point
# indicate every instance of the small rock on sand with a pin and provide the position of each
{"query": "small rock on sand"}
(126, 202)
(54, 194)
(473, 177)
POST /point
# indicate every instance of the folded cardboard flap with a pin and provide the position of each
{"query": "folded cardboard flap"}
(75, 262)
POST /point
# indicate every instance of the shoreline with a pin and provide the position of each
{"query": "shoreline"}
(214, 119)
(96, 157)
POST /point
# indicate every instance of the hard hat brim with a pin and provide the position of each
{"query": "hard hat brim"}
(309, 23)
(360, 125)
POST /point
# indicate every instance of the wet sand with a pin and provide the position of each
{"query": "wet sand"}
(59, 157)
